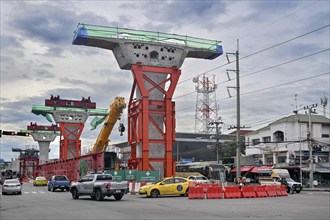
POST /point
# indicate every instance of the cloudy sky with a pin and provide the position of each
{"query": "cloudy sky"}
(283, 50)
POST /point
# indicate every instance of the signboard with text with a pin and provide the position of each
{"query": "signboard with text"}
(134, 175)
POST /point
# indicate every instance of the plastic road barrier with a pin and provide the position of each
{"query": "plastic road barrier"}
(248, 192)
(232, 192)
(196, 193)
(261, 191)
(281, 191)
(271, 190)
(214, 192)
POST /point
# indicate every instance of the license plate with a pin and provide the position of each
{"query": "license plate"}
(118, 191)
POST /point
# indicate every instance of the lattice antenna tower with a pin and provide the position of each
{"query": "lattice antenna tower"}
(324, 103)
(206, 103)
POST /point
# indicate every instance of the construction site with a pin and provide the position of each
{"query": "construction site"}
(154, 59)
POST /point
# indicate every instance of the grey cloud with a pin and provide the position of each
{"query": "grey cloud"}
(197, 12)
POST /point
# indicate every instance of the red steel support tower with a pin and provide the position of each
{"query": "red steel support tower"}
(141, 114)
(28, 163)
(154, 59)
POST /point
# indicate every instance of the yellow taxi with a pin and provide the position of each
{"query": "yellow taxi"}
(40, 181)
(166, 186)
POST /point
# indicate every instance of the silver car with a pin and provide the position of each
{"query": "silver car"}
(199, 179)
(11, 186)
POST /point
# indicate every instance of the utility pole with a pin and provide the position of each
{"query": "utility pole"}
(238, 116)
(217, 130)
(310, 109)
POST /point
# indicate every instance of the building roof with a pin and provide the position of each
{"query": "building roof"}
(242, 132)
(320, 119)
(303, 118)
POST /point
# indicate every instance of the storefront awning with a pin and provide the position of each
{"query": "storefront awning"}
(243, 169)
(261, 169)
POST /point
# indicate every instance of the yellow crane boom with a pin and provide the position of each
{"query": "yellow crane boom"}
(116, 109)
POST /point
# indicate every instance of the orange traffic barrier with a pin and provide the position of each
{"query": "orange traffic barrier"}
(214, 192)
(261, 191)
(271, 190)
(248, 192)
(232, 192)
(281, 191)
(196, 193)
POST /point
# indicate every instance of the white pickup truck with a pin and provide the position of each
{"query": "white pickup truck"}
(97, 186)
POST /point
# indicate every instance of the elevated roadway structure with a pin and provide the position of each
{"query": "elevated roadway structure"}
(44, 135)
(155, 59)
(71, 116)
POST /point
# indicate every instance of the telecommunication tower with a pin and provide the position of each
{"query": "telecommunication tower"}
(324, 103)
(206, 103)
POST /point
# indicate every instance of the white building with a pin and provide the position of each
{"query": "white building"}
(285, 141)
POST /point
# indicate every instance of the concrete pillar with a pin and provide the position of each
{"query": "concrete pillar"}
(263, 158)
(43, 140)
(275, 160)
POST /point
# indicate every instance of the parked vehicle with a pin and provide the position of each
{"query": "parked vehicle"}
(40, 181)
(58, 182)
(8, 174)
(166, 186)
(97, 186)
(199, 179)
(283, 176)
(11, 186)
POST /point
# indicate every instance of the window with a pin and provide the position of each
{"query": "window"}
(61, 178)
(169, 181)
(278, 136)
(180, 180)
(325, 135)
(266, 139)
(255, 141)
(104, 177)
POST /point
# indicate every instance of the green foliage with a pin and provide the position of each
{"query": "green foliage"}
(228, 149)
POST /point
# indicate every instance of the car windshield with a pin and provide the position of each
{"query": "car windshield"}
(60, 178)
(11, 181)
(201, 178)
(158, 181)
(289, 180)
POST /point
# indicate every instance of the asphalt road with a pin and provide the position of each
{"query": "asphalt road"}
(38, 203)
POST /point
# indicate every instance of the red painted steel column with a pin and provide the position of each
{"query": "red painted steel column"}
(140, 115)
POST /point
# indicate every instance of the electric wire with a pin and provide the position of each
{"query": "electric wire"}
(260, 51)
(263, 89)
(258, 71)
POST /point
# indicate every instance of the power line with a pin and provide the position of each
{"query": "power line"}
(267, 25)
(283, 84)
(268, 68)
(263, 50)
(271, 87)
(284, 42)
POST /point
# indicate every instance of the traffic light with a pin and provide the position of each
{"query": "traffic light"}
(22, 134)
(8, 132)
(14, 133)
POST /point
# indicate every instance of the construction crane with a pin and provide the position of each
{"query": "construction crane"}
(116, 109)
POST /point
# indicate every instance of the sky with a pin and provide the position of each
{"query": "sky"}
(283, 50)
